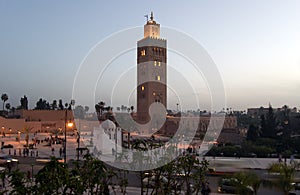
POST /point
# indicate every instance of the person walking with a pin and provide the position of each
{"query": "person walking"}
(205, 188)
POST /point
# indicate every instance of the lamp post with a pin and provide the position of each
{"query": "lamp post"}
(67, 124)
(19, 136)
(65, 143)
(78, 144)
(31, 172)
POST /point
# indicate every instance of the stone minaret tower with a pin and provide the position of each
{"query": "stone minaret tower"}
(151, 70)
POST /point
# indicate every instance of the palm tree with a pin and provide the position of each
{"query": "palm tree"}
(7, 106)
(18, 183)
(4, 98)
(246, 180)
(286, 176)
(131, 108)
(27, 129)
(96, 176)
(139, 145)
(99, 110)
(52, 178)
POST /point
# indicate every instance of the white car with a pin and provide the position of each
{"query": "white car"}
(4, 159)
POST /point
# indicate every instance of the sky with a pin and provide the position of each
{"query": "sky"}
(254, 44)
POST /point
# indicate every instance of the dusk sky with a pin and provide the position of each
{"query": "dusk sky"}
(255, 44)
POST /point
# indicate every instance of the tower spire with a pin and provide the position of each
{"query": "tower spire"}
(151, 16)
(151, 28)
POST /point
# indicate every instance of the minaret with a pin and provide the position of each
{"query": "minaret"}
(151, 70)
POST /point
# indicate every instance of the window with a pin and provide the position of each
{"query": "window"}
(143, 88)
(154, 93)
(157, 78)
(155, 63)
(143, 52)
(158, 63)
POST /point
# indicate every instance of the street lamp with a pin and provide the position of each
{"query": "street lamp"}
(19, 136)
(78, 144)
(67, 124)
(31, 172)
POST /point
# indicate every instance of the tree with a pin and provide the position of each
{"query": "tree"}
(72, 103)
(86, 109)
(269, 124)
(24, 103)
(79, 112)
(123, 108)
(52, 178)
(247, 181)
(4, 98)
(60, 104)
(42, 104)
(18, 182)
(68, 106)
(139, 145)
(96, 176)
(286, 176)
(7, 106)
(263, 126)
(27, 129)
(54, 105)
(252, 133)
(99, 107)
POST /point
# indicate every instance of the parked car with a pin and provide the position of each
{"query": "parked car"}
(296, 189)
(150, 181)
(230, 185)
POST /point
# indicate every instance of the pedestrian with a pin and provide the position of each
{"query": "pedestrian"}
(280, 158)
(60, 152)
(106, 189)
(205, 188)
(15, 152)
(9, 152)
(28, 175)
(285, 160)
(9, 167)
(20, 152)
(292, 159)
(3, 181)
(52, 150)
(37, 153)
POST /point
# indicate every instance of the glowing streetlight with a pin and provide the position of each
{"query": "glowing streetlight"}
(19, 136)
(68, 124)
